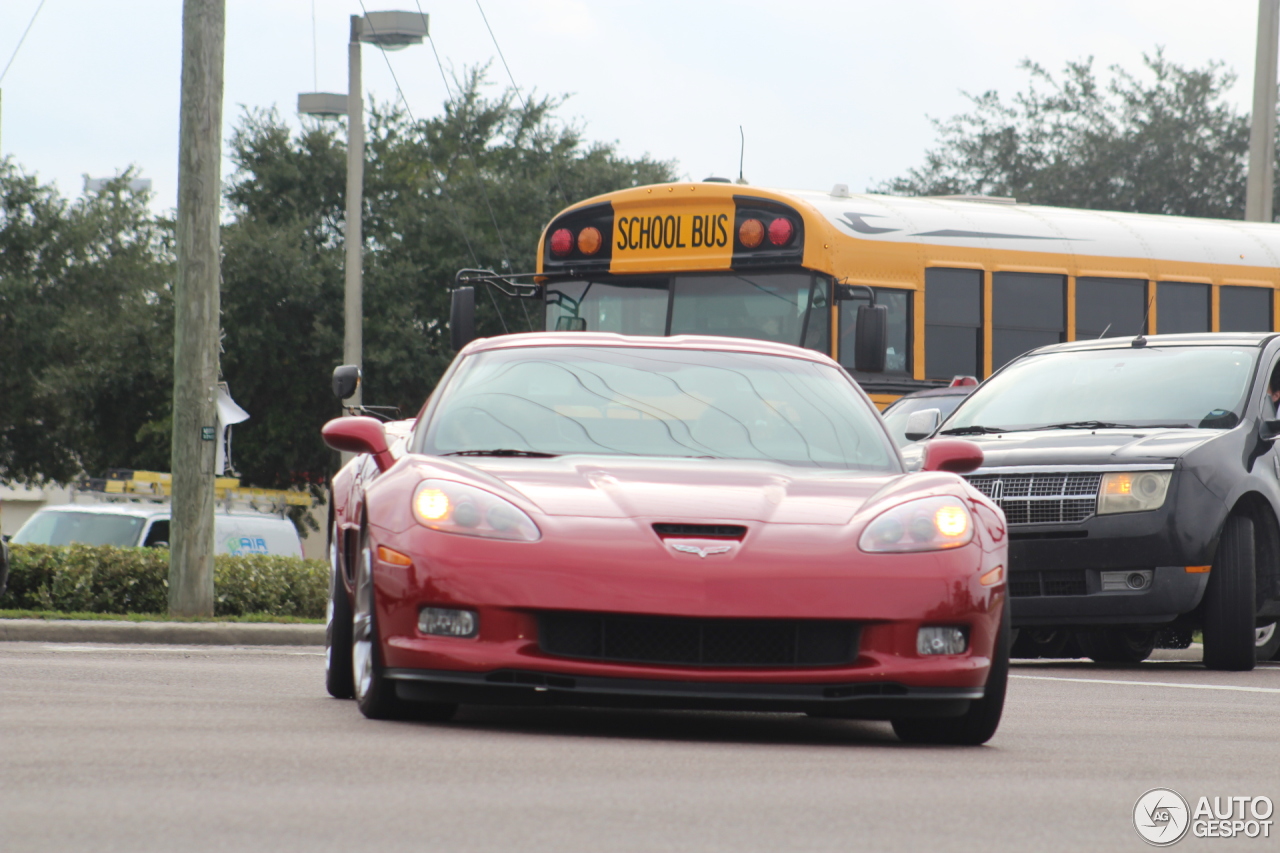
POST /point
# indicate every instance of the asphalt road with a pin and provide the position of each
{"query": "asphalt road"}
(220, 748)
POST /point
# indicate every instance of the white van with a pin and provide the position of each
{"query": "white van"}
(147, 525)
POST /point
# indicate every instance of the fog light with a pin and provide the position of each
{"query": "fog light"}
(444, 622)
(1126, 581)
(941, 640)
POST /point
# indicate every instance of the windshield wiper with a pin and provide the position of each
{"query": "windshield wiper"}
(502, 451)
(972, 430)
(1084, 425)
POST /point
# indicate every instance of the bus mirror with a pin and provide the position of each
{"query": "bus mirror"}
(462, 316)
(571, 324)
(346, 379)
(872, 336)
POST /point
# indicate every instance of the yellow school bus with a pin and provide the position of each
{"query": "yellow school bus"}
(968, 283)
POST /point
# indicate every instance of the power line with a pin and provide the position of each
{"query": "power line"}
(315, 62)
(21, 40)
(555, 173)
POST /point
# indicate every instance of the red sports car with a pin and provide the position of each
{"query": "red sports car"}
(681, 522)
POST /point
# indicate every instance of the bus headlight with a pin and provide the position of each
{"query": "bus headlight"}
(925, 524)
(1133, 491)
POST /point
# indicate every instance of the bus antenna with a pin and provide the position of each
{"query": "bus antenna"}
(742, 153)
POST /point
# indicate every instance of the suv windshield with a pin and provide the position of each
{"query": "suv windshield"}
(1131, 387)
(535, 401)
(87, 528)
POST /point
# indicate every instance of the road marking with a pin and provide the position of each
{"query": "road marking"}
(179, 650)
(1153, 683)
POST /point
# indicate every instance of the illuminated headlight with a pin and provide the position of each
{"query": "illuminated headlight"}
(927, 524)
(457, 508)
(444, 622)
(1125, 491)
(941, 640)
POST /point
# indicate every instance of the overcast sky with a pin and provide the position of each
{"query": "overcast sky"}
(826, 92)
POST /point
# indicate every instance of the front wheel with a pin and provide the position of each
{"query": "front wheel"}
(977, 725)
(337, 629)
(1230, 640)
(1117, 645)
(375, 694)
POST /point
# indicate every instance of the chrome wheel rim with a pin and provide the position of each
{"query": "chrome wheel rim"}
(362, 628)
(1263, 635)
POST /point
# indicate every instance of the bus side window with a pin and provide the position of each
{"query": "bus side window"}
(1244, 309)
(1110, 307)
(1028, 310)
(1182, 307)
(898, 349)
(952, 323)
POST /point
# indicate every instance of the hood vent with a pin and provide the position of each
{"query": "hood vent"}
(700, 531)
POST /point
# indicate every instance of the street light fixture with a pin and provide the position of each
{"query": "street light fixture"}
(389, 31)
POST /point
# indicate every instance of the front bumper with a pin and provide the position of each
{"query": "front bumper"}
(869, 700)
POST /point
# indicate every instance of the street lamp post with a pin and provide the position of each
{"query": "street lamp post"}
(389, 31)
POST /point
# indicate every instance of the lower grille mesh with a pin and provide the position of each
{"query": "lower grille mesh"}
(698, 642)
(1048, 582)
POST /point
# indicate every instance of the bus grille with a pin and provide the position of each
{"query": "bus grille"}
(698, 642)
(1041, 498)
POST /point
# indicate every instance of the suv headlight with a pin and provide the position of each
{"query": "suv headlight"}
(1133, 491)
(457, 508)
(924, 524)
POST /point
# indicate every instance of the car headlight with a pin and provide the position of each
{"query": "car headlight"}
(925, 524)
(457, 508)
(1136, 491)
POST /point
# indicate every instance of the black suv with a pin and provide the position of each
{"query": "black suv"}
(1141, 484)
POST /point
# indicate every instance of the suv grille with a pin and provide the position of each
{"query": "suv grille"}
(698, 642)
(1041, 498)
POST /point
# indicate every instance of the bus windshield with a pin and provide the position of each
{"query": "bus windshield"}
(1195, 386)
(787, 307)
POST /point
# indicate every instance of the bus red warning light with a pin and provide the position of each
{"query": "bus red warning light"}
(561, 242)
(781, 231)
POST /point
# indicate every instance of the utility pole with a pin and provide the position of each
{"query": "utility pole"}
(196, 309)
(1260, 188)
(353, 238)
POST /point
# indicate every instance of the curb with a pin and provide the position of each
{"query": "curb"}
(160, 633)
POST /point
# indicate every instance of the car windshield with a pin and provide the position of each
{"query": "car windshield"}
(1130, 387)
(86, 528)
(657, 402)
(896, 417)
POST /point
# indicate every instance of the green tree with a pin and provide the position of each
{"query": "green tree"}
(85, 329)
(1163, 141)
(472, 187)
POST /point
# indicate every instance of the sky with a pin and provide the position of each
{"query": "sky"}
(825, 92)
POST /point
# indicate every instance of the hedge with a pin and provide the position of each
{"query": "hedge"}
(105, 579)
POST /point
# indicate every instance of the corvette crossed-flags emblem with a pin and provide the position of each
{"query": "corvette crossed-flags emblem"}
(703, 552)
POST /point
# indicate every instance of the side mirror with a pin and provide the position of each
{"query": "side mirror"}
(952, 454)
(359, 435)
(346, 379)
(922, 424)
(462, 317)
(1269, 430)
(571, 324)
(872, 338)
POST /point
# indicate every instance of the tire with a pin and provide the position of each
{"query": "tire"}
(1117, 645)
(1267, 642)
(1230, 641)
(375, 695)
(1033, 643)
(337, 629)
(977, 725)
